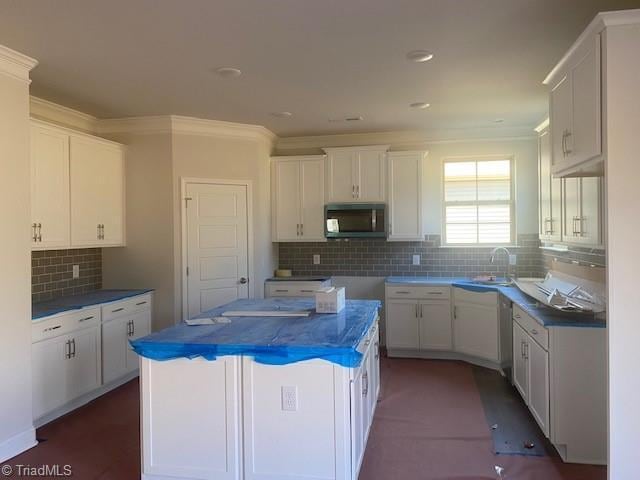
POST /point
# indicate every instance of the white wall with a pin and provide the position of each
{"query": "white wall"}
(16, 426)
(147, 260)
(623, 263)
(226, 158)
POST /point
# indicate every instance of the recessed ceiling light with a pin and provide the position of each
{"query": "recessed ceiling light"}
(228, 72)
(419, 56)
(420, 105)
(281, 114)
(498, 120)
(354, 118)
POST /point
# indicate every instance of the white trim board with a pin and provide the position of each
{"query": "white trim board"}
(183, 234)
(17, 444)
(15, 64)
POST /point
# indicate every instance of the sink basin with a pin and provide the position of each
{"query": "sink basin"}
(495, 283)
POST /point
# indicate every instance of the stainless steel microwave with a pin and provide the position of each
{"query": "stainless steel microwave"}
(355, 220)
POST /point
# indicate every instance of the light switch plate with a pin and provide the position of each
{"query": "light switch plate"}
(316, 259)
(416, 259)
(76, 271)
(513, 259)
(289, 399)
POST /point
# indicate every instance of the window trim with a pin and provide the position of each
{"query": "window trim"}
(511, 202)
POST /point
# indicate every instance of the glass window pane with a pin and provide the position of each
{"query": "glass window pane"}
(462, 233)
(494, 190)
(459, 171)
(494, 213)
(494, 169)
(462, 214)
(494, 233)
(460, 191)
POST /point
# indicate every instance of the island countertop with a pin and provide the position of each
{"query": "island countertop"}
(269, 340)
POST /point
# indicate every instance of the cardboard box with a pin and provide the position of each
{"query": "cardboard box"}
(330, 299)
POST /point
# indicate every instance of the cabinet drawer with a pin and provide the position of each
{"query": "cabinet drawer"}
(530, 325)
(293, 289)
(126, 307)
(418, 292)
(64, 323)
(481, 298)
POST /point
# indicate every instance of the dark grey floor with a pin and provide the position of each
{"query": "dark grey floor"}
(513, 427)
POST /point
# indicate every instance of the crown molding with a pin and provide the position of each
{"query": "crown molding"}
(61, 115)
(15, 64)
(601, 21)
(405, 140)
(176, 124)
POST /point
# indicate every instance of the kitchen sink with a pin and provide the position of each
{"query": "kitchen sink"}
(495, 283)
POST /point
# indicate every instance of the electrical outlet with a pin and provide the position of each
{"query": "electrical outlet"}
(289, 399)
(513, 259)
(416, 259)
(76, 271)
(316, 259)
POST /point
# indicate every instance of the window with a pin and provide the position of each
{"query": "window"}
(478, 202)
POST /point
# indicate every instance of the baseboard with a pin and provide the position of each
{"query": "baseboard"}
(442, 355)
(17, 444)
(83, 400)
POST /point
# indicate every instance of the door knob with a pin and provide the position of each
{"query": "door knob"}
(243, 280)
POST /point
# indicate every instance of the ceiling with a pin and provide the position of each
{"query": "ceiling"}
(320, 60)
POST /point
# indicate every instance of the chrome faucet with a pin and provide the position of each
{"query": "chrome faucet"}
(492, 259)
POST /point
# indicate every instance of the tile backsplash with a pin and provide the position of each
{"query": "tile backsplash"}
(377, 257)
(52, 272)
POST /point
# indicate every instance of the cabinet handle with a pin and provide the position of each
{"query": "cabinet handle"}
(548, 231)
(85, 319)
(576, 230)
(98, 230)
(357, 191)
(517, 315)
(580, 226)
(365, 383)
(73, 352)
(34, 237)
(416, 310)
(306, 291)
(377, 350)
(131, 328)
(434, 293)
(564, 149)
(403, 292)
(534, 331)
(302, 229)
(282, 290)
(353, 191)
(67, 349)
(455, 312)
(49, 329)
(141, 303)
(117, 310)
(39, 232)
(526, 351)
(567, 149)
(421, 310)
(522, 349)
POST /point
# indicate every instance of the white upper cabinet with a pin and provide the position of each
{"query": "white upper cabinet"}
(49, 187)
(298, 198)
(97, 192)
(405, 195)
(549, 190)
(582, 207)
(77, 189)
(356, 174)
(576, 111)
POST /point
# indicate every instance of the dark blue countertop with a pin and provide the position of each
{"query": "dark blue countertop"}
(547, 316)
(269, 340)
(76, 302)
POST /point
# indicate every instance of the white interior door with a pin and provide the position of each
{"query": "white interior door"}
(217, 256)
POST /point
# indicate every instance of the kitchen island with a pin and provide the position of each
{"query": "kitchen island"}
(261, 398)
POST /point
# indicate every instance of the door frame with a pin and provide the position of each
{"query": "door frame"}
(184, 181)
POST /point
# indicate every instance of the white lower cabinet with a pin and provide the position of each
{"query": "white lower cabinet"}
(77, 352)
(435, 325)
(293, 288)
(476, 324)
(531, 366)
(402, 323)
(65, 367)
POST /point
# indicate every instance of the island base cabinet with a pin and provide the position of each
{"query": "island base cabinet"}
(191, 419)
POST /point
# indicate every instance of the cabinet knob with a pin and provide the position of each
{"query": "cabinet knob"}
(243, 280)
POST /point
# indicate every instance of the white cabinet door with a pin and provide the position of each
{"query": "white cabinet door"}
(342, 173)
(560, 119)
(97, 209)
(49, 187)
(520, 370)
(84, 367)
(435, 325)
(402, 324)
(370, 176)
(114, 349)
(538, 376)
(405, 196)
(590, 219)
(585, 139)
(374, 369)
(312, 199)
(357, 413)
(571, 210)
(140, 326)
(287, 200)
(476, 330)
(49, 363)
